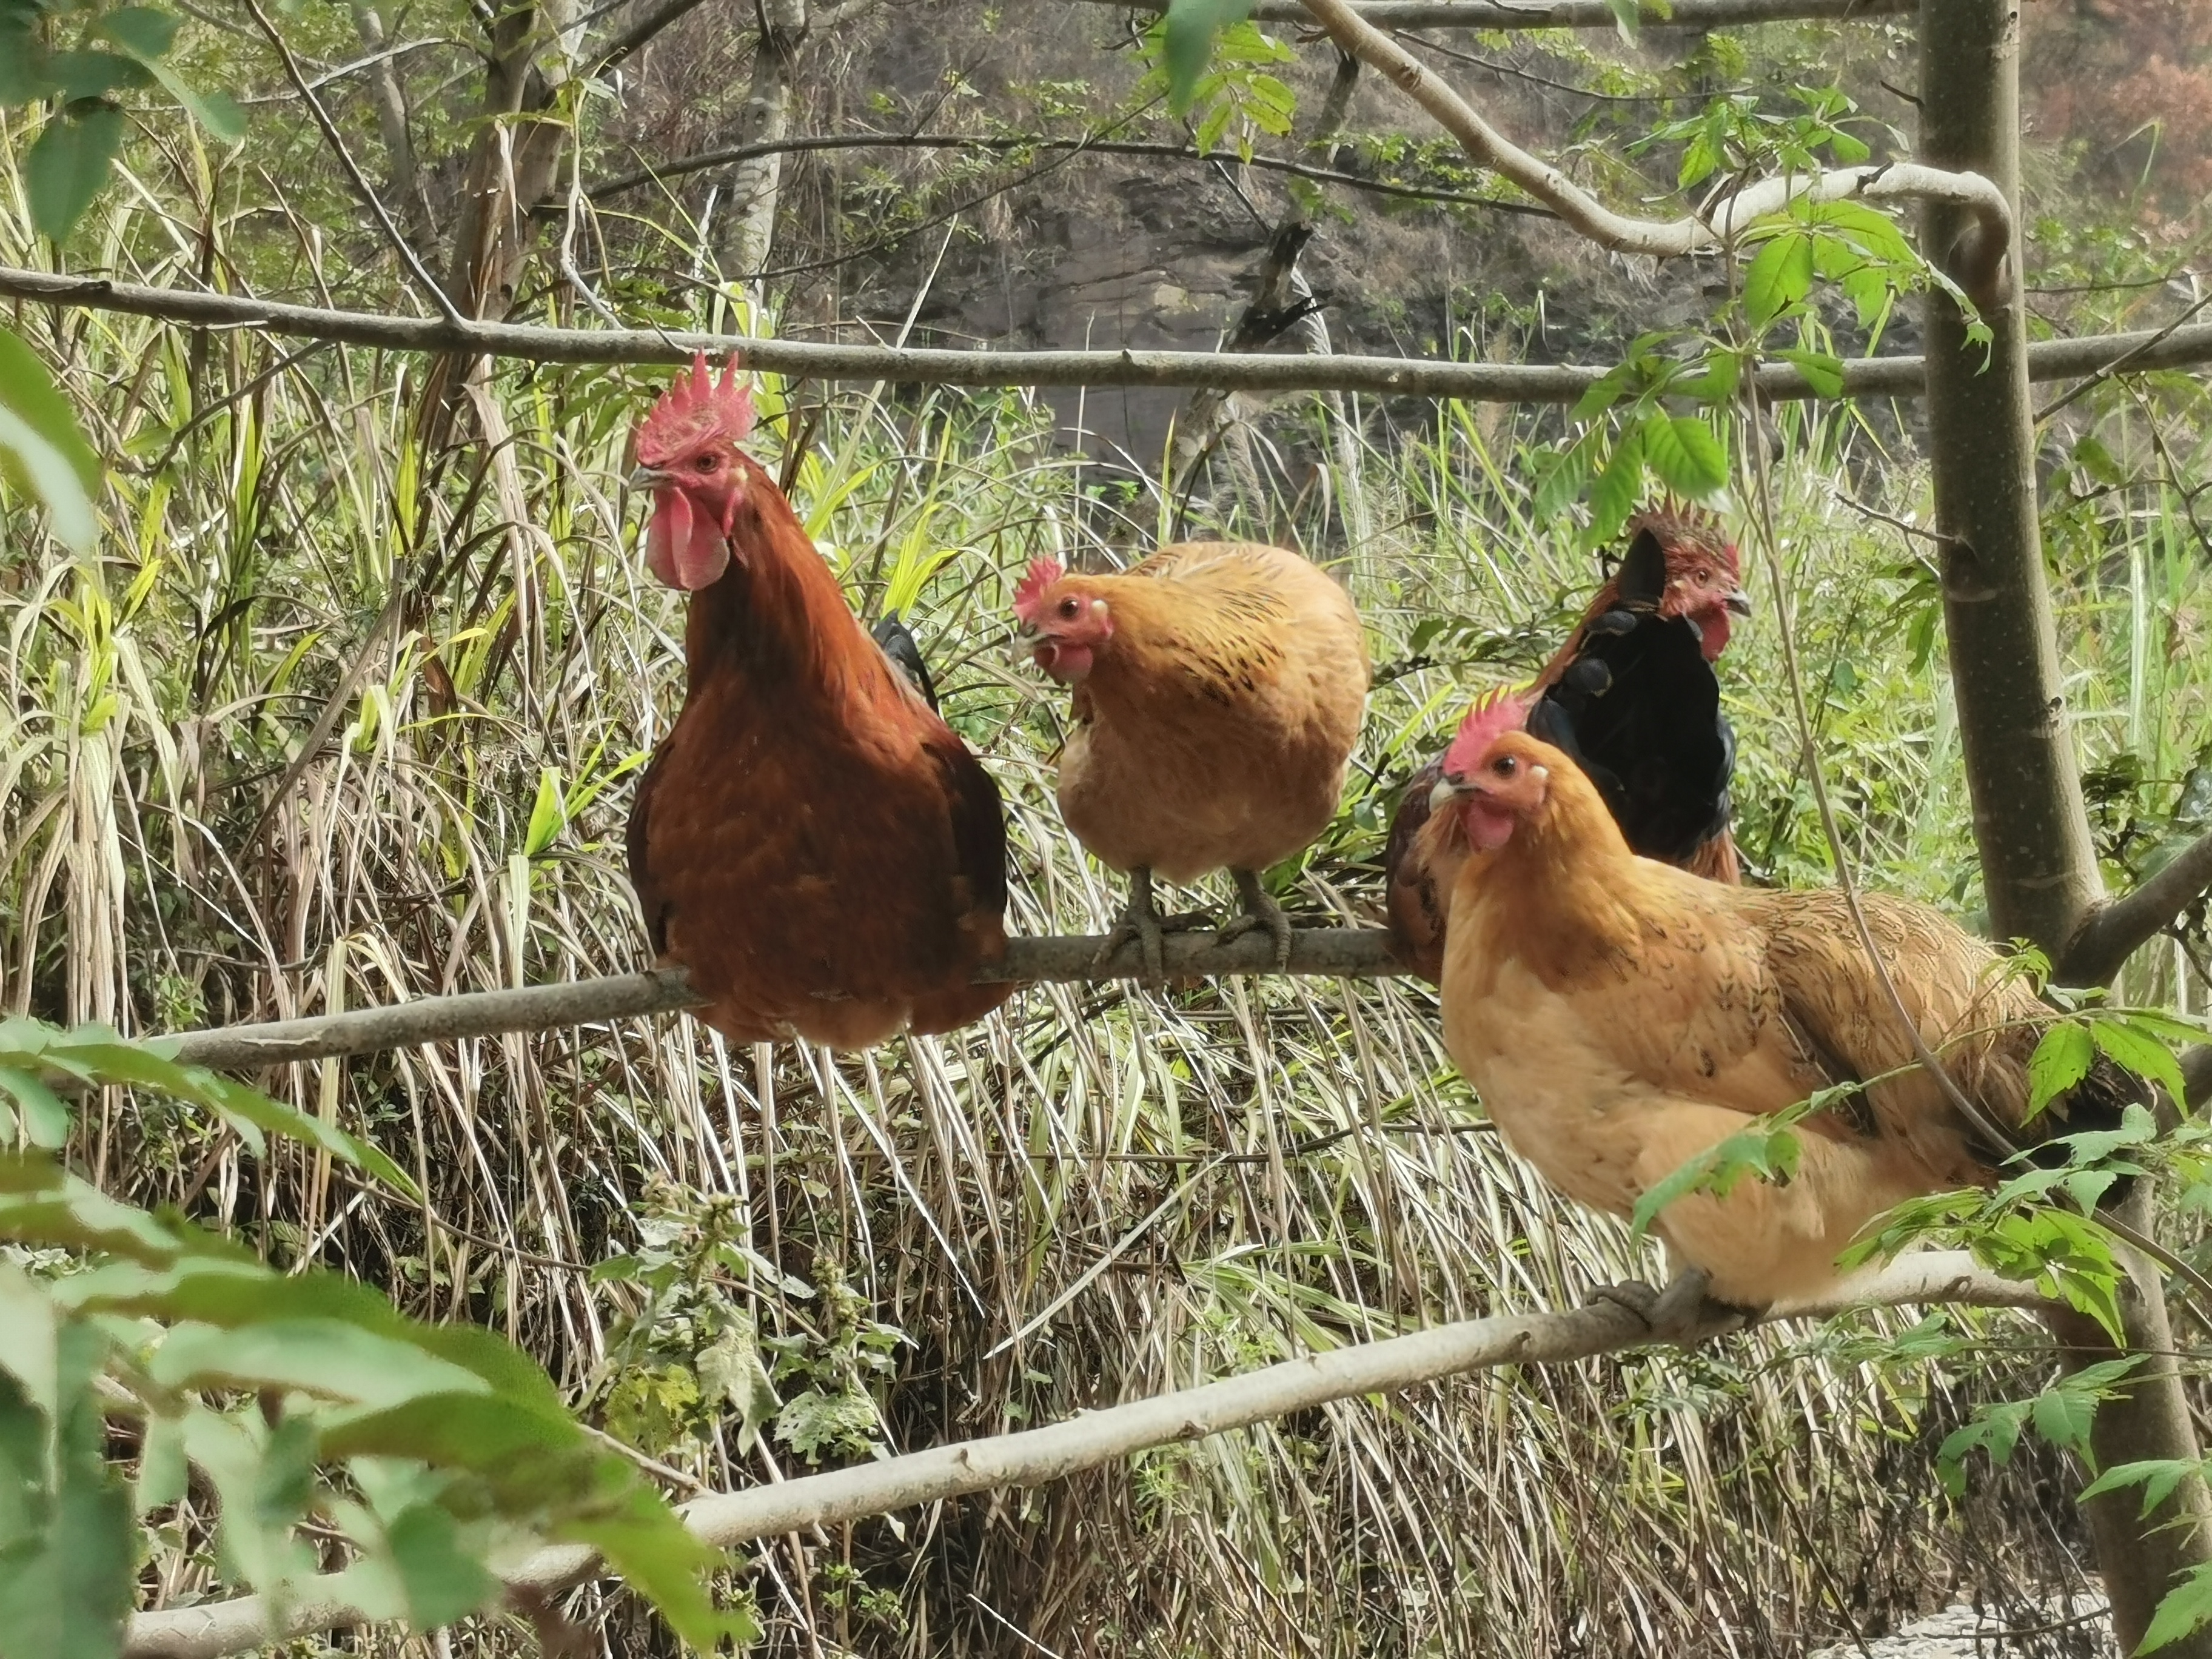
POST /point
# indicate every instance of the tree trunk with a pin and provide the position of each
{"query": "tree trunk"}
(2039, 866)
(2150, 1422)
(756, 185)
(511, 165)
(403, 179)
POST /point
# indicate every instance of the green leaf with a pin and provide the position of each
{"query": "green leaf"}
(1848, 148)
(2063, 1416)
(547, 818)
(30, 1340)
(1823, 372)
(143, 31)
(1685, 454)
(67, 165)
(2094, 459)
(2128, 1044)
(1604, 392)
(529, 1457)
(325, 1357)
(2157, 1476)
(1187, 44)
(1562, 481)
(80, 76)
(1780, 276)
(65, 1579)
(2061, 1060)
(1616, 490)
(163, 1473)
(2185, 1609)
(1716, 383)
(41, 448)
(23, 75)
(147, 33)
(660, 1558)
(443, 1581)
(44, 1119)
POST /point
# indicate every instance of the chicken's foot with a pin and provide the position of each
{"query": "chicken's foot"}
(1142, 922)
(1261, 910)
(1685, 1312)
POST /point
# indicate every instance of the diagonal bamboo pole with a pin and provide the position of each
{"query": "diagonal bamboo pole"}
(1035, 1456)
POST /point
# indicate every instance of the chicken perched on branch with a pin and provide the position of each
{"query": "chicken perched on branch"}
(1618, 1017)
(1219, 688)
(1631, 696)
(811, 842)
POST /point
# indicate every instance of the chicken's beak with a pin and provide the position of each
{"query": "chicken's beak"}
(1021, 646)
(647, 477)
(1448, 790)
(1738, 601)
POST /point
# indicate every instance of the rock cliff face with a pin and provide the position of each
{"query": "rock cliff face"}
(1105, 251)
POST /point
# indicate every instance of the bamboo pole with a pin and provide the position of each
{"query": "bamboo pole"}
(1035, 1456)
(2144, 350)
(1330, 952)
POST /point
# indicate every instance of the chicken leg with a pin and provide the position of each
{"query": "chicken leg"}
(1142, 922)
(1261, 910)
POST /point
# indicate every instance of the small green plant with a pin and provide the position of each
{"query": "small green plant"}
(303, 1401)
(80, 56)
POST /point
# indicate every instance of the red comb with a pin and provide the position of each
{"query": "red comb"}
(1043, 573)
(1682, 526)
(1494, 712)
(696, 409)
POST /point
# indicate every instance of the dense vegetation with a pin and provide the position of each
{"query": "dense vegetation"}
(344, 705)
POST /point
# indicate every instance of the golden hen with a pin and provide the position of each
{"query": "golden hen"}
(1219, 688)
(1619, 1016)
(812, 841)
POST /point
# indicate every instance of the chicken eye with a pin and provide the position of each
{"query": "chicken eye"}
(705, 462)
(1504, 766)
(1068, 608)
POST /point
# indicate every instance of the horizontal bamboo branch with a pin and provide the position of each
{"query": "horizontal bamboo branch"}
(1335, 952)
(1569, 13)
(1498, 383)
(1035, 1456)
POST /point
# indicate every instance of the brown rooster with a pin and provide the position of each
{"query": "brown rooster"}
(1633, 681)
(1618, 1017)
(810, 842)
(1218, 691)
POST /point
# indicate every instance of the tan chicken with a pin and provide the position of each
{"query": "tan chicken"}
(1618, 1017)
(1219, 688)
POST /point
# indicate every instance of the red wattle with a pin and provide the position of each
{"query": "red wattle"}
(682, 547)
(670, 529)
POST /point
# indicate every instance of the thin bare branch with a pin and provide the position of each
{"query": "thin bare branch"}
(1567, 14)
(2115, 929)
(1332, 952)
(1411, 377)
(1036, 1456)
(633, 38)
(367, 191)
(1665, 239)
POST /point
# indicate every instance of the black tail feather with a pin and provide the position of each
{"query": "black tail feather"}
(906, 656)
